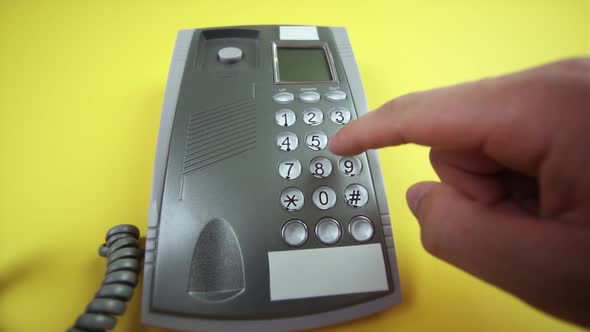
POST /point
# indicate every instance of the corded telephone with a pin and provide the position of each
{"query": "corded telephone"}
(253, 223)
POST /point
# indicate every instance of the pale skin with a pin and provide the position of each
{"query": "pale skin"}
(513, 156)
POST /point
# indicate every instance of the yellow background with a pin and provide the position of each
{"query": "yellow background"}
(81, 87)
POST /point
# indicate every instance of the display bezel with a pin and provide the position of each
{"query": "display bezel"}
(302, 45)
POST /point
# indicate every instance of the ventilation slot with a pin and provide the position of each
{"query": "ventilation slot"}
(219, 133)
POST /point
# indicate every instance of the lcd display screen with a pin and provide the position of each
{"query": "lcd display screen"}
(302, 65)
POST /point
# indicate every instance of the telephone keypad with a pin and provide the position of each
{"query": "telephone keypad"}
(327, 230)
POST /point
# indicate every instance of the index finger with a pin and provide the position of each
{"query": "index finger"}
(485, 115)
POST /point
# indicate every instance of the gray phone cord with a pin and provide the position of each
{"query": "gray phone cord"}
(123, 265)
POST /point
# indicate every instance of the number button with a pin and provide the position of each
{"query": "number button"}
(290, 169)
(285, 117)
(316, 140)
(350, 166)
(340, 115)
(324, 197)
(292, 199)
(313, 116)
(356, 195)
(287, 141)
(320, 167)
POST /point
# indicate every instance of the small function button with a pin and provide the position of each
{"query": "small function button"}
(229, 55)
(290, 169)
(283, 98)
(356, 195)
(285, 117)
(287, 141)
(294, 233)
(328, 231)
(340, 115)
(336, 96)
(316, 140)
(313, 116)
(292, 199)
(350, 166)
(309, 97)
(361, 229)
(320, 167)
(324, 197)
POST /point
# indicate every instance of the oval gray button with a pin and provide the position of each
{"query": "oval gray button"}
(361, 228)
(328, 231)
(283, 98)
(294, 233)
(309, 97)
(336, 96)
(228, 55)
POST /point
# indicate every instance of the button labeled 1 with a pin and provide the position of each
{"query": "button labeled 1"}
(287, 141)
(285, 117)
(316, 140)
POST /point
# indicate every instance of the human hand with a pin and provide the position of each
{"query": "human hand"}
(513, 155)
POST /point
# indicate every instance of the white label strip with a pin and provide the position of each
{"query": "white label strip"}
(297, 274)
(298, 33)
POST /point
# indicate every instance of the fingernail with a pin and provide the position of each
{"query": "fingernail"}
(415, 194)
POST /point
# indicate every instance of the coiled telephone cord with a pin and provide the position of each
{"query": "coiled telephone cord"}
(123, 265)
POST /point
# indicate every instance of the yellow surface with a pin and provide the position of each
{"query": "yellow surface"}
(81, 86)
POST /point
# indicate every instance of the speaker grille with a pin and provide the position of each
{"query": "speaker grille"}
(219, 133)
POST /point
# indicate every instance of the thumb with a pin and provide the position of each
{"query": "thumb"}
(477, 238)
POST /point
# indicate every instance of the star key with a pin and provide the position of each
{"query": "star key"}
(292, 199)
